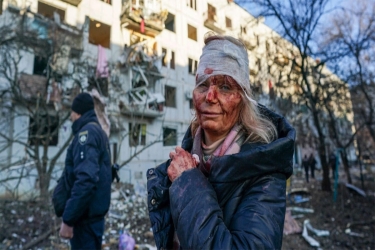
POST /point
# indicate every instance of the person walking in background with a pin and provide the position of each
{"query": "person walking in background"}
(82, 195)
(312, 165)
(332, 164)
(224, 188)
(305, 164)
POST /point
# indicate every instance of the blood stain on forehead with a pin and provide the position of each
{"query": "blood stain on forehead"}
(208, 71)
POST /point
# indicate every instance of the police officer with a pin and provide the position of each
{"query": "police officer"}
(85, 185)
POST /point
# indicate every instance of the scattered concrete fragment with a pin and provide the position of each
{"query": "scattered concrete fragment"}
(349, 232)
(301, 210)
(357, 190)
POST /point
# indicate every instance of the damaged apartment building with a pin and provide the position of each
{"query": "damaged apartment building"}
(136, 57)
(115, 50)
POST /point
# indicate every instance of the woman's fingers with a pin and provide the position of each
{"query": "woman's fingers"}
(181, 161)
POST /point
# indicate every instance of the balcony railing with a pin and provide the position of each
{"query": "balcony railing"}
(141, 99)
(32, 86)
(73, 2)
(142, 102)
(210, 21)
(143, 18)
(36, 31)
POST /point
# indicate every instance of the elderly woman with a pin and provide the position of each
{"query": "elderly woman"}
(224, 188)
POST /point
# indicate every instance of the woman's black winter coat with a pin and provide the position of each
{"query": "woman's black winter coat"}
(241, 205)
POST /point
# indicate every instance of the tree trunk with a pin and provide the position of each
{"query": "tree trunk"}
(326, 182)
(345, 161)
(44, 180)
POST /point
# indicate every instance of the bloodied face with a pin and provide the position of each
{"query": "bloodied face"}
(218, 103)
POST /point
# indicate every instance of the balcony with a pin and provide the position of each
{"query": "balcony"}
(41, 33)
(32, 86)
(144, 17)
(211, 23)
(249, 42)
(73, 2)
(142, 102)
(141, 99)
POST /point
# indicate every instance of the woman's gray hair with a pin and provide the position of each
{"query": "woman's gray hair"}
(258, 127)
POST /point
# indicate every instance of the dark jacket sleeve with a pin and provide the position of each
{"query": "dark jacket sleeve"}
(86, 171)
(256, 224)
(61, 194)
(158, 185)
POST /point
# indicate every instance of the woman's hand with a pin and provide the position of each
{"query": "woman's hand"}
(181, 161)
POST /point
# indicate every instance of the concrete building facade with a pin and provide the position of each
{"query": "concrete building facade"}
(138, 58)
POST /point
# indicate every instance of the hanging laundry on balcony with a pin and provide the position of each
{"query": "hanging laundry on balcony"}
(102, 65)
(142, 25)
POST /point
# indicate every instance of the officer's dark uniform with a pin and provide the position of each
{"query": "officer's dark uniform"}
(88, 175)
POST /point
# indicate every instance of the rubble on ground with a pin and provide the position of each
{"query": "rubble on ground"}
(34, 226)
(350, 220)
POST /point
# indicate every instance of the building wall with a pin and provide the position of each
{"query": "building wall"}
(178, 117)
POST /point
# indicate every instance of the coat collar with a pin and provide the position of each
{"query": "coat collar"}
(89, 116)
(255, 159)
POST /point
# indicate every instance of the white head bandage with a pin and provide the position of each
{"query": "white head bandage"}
(222, 57)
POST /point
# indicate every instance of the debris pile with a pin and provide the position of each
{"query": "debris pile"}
(350, 221)
(32, 225)
(128, 213)
(314, 219)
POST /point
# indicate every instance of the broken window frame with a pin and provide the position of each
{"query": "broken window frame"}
(192, 4)
(228, 23)
(40, 65)
(192, 32)
(48, 11)
(211, 13)
(137, 134)
(192, 66)
(170, 96)
(48, 125)
(169, 136)
(170, 22)
(103, 28)
(168, 62)
(172, 64)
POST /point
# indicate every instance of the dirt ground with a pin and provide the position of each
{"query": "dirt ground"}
(350, 219)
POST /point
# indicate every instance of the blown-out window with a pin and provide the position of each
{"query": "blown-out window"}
(192, 32)
(137, 134)
(193, 65)
(170, 22)
(169, 137)
(170, 96)
(228, 22)
(192, 4)
(43, 130)
(168, 61)
(50, 11)
(99, 33)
